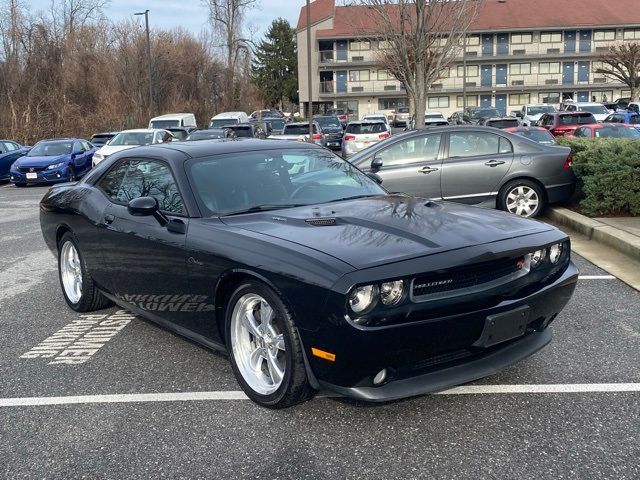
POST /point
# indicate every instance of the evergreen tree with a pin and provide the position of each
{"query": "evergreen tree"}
(275, 66)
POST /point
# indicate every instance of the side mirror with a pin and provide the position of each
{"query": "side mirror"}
(375, 177)
(376, 164)
(519, 114)
(146, 206)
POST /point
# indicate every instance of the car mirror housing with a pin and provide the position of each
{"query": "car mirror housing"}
(376, 163)
(146, 206)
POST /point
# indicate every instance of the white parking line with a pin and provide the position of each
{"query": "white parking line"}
(238, 395)
(596, 277)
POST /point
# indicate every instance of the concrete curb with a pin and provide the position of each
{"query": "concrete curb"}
(615, 238)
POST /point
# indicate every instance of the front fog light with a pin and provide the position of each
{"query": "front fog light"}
(361, 298)
(538, 257)
(555, 252)
(391, 292)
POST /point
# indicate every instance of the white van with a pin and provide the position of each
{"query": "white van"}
(228, 118)
(173, 120)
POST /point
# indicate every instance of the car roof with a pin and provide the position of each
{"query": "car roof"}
(64, 139)
(522, 128)
(228, 115)
(144, 130)
(588, 104)
(172, 116)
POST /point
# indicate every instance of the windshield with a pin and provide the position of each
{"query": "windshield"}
(164, 123)
(403, 110)
(132, 138)
(233, 183)
(328, 122)
(484, 113)
(298, 129)
(50, 149)
(540, 109)
(504, 123)
(539, 136)
(206, 134)
(576, 119)
(101, 139)
(595, 109)
(245, 132)
(438, 116)
(375, 117)
(223, 122)
(276, 125)
(364, 128)
(617, 132)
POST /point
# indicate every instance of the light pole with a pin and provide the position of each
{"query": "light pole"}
(146, 21)
(310, 107)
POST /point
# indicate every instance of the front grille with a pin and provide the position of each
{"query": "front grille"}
(321, 221)
(31, 169)
(334, 136)
(467, 277)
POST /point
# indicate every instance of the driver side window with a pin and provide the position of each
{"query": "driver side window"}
(418, 149)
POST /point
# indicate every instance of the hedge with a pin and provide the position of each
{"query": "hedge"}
(608, 172)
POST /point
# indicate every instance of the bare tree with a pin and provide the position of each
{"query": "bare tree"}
(418, 40)
(622, 62)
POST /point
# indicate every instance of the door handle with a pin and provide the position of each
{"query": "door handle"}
(108, 219)
(494, 163)
(427, 170)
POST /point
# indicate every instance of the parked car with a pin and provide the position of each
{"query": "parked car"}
(536, 134)
(432, 119)
(456, 118)
(378, 116)
(341, 113)
(562, 124)
(181, 133)
(10, 151)
(473, 165)
(619, 104)
(473, 115)
(53, 161)
(607, 130)
(630, 118)
(247, 130)
(228, 118)
(305, 271)
(276, 125)
(129, 139)
(599, 111)
(531, 113)
(269, 113)
(300, 131)
(633, 107)
(401, 117)
(173, 120)
(100, 139)
(332, 130)
(361, 135)
(211, 134)
(500, 122)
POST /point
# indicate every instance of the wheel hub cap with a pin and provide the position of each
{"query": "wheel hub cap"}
(71, 272)
(522, 200)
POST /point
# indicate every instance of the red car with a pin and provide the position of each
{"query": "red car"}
(537, 134)
(607, 130)
(563, 124)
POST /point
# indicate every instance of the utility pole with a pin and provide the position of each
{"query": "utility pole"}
(146, 21)
(464, 73)
(310, 106)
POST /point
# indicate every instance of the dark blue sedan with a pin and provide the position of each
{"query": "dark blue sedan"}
(53, 161)
(10, 151)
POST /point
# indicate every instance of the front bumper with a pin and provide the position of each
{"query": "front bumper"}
(437, 353)
(57, 175)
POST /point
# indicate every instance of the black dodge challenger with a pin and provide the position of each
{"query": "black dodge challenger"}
(305, 270)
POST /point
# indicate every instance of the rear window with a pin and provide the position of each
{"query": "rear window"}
(576, 119)
(617, 132)
(505, 123)
(539, 136)
(365, 128)
(597, 109)
(403, 110)
(223, 122)
(164, 123)
(298, 129)
(243, 131)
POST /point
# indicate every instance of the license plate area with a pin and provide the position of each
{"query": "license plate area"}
(32, 176)
(503, 326)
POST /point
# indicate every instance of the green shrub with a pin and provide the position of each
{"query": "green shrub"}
(608, 172)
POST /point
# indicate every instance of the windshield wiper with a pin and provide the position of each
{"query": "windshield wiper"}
(354, 197)
(263, 208)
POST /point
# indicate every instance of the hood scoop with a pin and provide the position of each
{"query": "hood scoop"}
(321, 221)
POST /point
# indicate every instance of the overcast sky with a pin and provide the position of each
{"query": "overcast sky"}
(191, 14)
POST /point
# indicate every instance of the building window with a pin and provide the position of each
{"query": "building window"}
(550, 97)
(438, 102)
(550, 37)
(520, 68)
(519, 99)
(601, 97)
(595, 66)
(632, 34)
(472, 71)
(384, 45)
(392, 103)
(518, 38)
(473, 40)
(604, 35)
(358, 75)
(358, 45)
(472, 101)
(549, 67)
(385, 75)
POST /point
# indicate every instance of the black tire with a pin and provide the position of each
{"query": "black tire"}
(527, 184)
(295, 387)
(71, 176)
(20, 185)
(91, 298)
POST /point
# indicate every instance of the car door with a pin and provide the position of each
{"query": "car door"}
(9, 153)
(411, 166)
(145, 261)
(79, 158)
(475, 163)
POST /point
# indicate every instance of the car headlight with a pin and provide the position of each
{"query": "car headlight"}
(537, 257)
(555, 252)
(363, 298)
(55, 165)
(391, 292)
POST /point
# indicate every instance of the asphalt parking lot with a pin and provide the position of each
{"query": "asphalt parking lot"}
(150, 404)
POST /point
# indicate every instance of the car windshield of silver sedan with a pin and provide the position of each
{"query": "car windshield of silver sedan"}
(273, 179)
(50, 149)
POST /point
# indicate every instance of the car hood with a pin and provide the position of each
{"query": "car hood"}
(111, 149)
(378, 230)
(40, 161)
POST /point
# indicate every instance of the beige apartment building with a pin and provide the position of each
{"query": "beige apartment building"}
(518, 52)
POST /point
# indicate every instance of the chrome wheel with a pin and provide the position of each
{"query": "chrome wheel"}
(522, 200)
(71, 272)
(257, 343)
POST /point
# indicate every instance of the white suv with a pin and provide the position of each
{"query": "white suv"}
(597, 109)
(531, 113)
